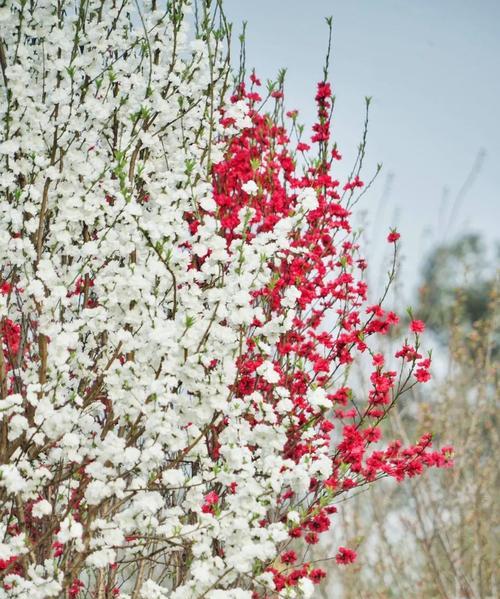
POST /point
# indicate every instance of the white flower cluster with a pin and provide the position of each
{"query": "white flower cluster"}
(128, 352)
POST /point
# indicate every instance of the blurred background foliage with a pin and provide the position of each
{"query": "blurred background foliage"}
(458, 283)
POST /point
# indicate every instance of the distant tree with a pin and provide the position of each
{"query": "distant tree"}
(458, 284)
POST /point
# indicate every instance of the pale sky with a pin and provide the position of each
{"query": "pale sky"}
(432, 68)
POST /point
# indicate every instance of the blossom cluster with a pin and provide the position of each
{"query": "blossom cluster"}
(180, 304)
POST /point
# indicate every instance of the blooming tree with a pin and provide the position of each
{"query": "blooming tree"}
(180, 303)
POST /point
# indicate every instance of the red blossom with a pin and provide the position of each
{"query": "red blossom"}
(417, 326)
(317, 575)
(345, 556)
(289, 557)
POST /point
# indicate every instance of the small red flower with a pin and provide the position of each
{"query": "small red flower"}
(311, 538)
(58, 548)
(317, 575)
(289, 557)
(75, 588)
(296, 532)
(336, 155)
(345, 556)
(417, 326)
(254, 79)
(356, 182)
(5, 288)
(211, 500)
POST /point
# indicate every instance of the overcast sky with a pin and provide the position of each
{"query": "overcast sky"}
(432, 69)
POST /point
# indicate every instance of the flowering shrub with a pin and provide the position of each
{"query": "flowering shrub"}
(180, 305)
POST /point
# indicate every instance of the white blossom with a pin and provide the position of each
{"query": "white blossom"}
(41, 508)
(250, 187)
(70, 530)
(308, 198)
(267, 370)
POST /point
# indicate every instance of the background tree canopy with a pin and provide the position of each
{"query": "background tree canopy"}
(458, 284)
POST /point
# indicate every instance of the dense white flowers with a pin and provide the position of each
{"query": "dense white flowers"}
(104, 149)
